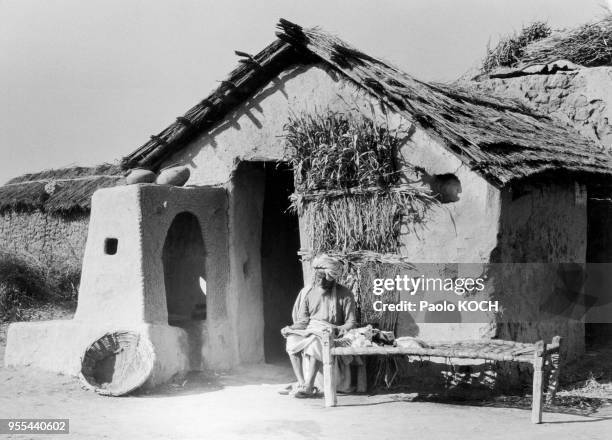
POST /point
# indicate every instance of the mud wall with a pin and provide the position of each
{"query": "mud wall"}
(540, 255)
(123, 289)
(52, 239)
(581, 98)
(464, 231)
(245, 296)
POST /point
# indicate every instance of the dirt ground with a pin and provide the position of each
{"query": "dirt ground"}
(244, 404)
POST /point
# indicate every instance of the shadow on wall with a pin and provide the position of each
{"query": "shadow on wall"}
(184, 262)
(251, 109)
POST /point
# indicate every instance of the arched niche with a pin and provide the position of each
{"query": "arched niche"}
(184, 263)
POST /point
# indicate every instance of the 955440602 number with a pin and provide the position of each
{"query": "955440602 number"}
(34, 426)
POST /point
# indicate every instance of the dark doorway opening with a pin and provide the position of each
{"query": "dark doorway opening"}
(281, 268)
(598, 328)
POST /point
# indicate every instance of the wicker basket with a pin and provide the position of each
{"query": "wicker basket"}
(117, 363)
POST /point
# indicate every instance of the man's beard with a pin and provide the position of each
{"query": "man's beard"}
(324, 283)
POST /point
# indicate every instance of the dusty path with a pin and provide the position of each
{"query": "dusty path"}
(245, 405)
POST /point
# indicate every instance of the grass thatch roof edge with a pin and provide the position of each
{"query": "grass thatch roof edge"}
(58, 191)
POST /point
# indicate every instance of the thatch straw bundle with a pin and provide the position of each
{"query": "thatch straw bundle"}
(331, 150)
(364, 280)
(509, 51)
(348, 195)
(588, 45)
(346, 182)
(364, 221)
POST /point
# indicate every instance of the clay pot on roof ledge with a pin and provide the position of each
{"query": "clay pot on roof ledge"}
(140, 175)
(175, 176)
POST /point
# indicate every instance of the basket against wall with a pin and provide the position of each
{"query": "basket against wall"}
(117, 363)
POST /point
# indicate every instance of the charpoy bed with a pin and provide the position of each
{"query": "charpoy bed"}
(544, 358)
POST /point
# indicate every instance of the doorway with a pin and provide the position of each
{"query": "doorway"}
(281, 268)
(598, 326)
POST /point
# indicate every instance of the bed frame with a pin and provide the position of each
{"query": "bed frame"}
(543, 357)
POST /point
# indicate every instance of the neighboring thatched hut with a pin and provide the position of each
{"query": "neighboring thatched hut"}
(566, 74)
(45, 215)
(391, 174)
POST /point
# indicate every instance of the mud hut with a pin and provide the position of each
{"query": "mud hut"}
(45, 215)
(566, 74)
(469, 181)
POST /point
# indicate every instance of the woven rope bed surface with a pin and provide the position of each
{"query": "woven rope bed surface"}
(475, 349)
(117, 363)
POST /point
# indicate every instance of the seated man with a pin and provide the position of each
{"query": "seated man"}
(324, 304)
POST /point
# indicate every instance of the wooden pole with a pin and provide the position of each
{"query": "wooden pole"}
(538, 376)
(362, 377)
(329, 370)
(555, 365)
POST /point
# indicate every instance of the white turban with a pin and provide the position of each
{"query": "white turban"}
(331, 266)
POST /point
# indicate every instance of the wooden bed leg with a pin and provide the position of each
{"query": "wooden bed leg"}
(329, 370)
(362, 378)
(553, 378)
(538, 376)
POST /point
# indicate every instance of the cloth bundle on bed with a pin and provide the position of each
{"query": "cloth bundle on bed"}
(367, 336)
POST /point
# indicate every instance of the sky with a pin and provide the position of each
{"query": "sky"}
(84, 82)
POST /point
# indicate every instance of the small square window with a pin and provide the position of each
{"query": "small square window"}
(110, 246)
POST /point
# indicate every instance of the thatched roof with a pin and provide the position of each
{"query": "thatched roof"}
(499, 138)
(58, 191)
(537, 47)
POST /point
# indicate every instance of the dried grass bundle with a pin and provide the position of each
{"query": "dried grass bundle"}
(588, 45)
(348, 195)
(509, 51)
(330, 150)
(361, 222)
(346, 183)
(365, 280)
(25, 280)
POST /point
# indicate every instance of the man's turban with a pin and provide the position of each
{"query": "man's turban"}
(331, 266)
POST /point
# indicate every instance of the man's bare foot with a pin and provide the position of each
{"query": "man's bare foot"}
(304, 392)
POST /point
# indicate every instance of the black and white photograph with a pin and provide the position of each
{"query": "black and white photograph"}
(316, 219)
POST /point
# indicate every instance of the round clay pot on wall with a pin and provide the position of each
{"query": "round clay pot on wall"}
(140, 175)
(176, 176)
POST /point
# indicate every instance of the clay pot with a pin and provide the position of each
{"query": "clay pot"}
(140, 175)
(176, 176)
